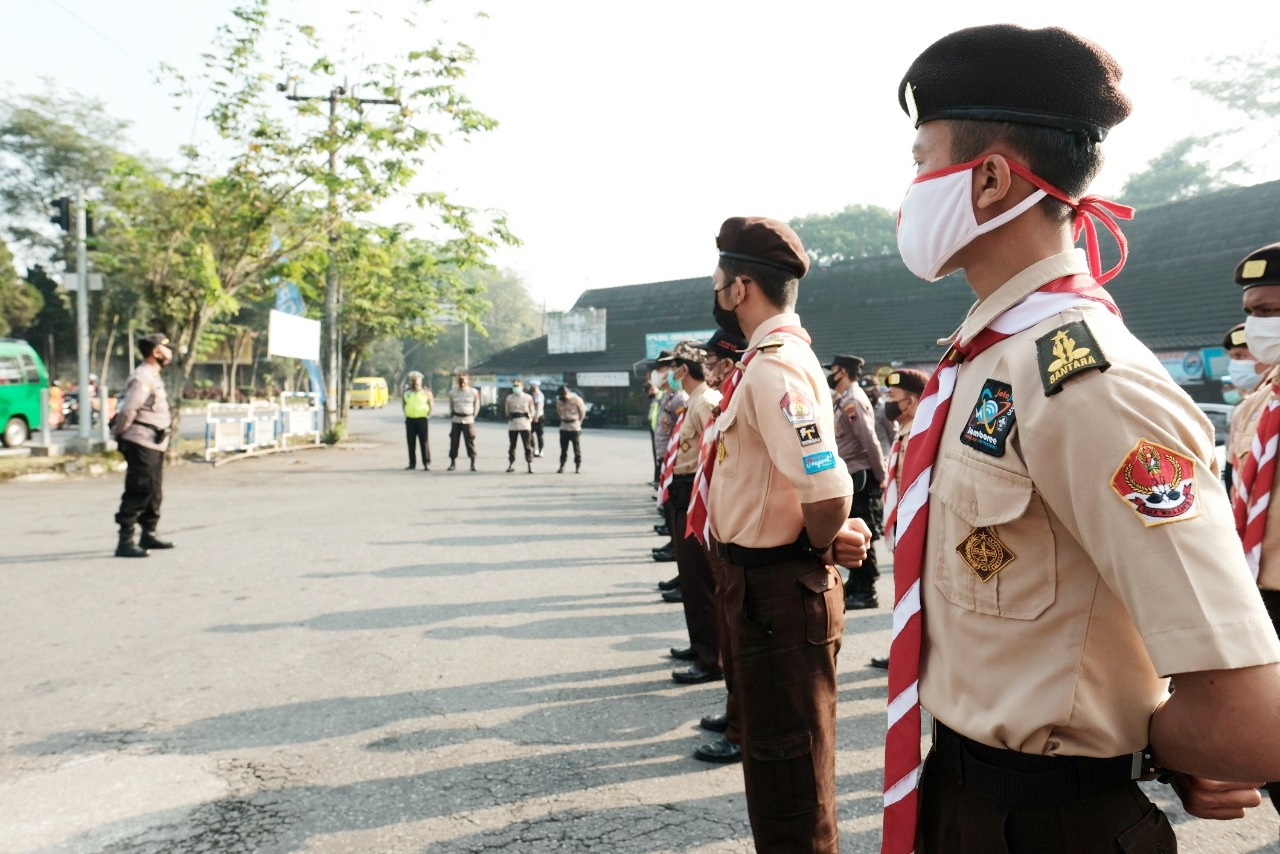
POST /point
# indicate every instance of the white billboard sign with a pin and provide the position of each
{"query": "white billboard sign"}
(292, 336)
(604, 379)
(581, 331)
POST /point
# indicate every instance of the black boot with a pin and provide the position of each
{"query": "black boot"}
(577, 468)
(510, 467)
(530, 465)
(860, 592)
(561, 469)
(126, 547)
(149, 540)
(473, 463)
(453, 464)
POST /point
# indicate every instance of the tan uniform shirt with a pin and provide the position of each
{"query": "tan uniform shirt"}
(1244, 426)
(464, 404)
(144, 410)
(519, 406)
(777, 446)
(696, 415)
(856, 433)
(1065, 648)
(571, 410)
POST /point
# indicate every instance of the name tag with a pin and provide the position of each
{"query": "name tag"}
(815, 463)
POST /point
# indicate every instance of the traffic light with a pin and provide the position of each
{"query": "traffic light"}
(63, 219)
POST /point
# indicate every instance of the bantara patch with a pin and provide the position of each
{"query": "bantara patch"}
(808, 434)
(991, 419)
(1158, 483)
(1066, 352)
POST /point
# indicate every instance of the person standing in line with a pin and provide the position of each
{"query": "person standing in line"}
(778, 497)
(464, 406)
(652, 394)
(571, 410)
(1255, 354)
(905, 387)
(671, 406)
(884, 426)
(860, 450)
(1246, 373)
(416, 404)
(536, 437)
(1063, 545)
(519, 407)
(141, 430)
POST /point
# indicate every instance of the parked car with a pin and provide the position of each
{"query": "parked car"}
(22, 376)
(369, 393)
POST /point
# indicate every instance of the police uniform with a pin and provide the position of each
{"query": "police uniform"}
(571, 410)
(1079, 544)
(141, 430)
(519, 408)
(464, 406)
(416, 404)
(785, 607)
(536, 437)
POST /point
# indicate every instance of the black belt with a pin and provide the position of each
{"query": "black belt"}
(743, 556)
(682, 478)
(1027, 780)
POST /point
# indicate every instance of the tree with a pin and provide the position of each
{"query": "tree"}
(19, 301)
(858, 231)
(1246, 84)
(1173, 176)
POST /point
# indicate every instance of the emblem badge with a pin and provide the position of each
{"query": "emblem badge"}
(796, 407)
(721, 451)
(991, 420)
(1066, 352)
(684, 446)
(808, 434)
(984, 553)
(1158, 483)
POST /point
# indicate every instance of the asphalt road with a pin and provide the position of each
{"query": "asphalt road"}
(344, 656)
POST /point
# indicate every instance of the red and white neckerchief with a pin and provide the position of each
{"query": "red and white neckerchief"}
(908, 519)
(1255, 480)
(669, 459)
(698, 519)
(891, 490)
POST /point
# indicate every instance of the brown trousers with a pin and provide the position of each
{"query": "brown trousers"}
(1271, 598)
(720, 572)
(785, 623)
(955, 819)
(697, 587)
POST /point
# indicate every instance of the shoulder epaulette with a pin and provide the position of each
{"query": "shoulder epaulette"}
(773, 342)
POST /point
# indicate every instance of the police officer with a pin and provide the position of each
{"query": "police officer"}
(1059, 517)
(416, 403)
(670, 406)
(860, 449)
(1255, 352)
(141, 430)
(464, 406)
(536, 437)
(778, 497)
(571, 409)
(519, 408)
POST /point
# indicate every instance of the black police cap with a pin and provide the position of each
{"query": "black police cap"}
(1259, 267)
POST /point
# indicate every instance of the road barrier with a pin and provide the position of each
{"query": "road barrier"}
(246, 427)
(300, 415)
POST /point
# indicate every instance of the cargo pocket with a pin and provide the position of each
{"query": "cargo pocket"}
(782, 768)
(1151, 834)
(823, 606)
(993, 525)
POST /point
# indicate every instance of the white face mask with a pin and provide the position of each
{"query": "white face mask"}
(936, 219)
(1244, 374)
(1263, 335)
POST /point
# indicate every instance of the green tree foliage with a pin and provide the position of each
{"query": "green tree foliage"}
(858, 231)
(1174, 175)
(19, 301)
(1245, 84)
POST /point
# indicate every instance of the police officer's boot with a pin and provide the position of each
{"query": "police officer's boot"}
(127, 547)
(473, 463)
(149, 540)
(529, 463)
(577, 468)
(511, 466)
(860, 592)
(453, 464)
(561, 469)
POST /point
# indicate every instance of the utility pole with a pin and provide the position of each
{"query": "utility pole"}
(332, 297)
(82, 323)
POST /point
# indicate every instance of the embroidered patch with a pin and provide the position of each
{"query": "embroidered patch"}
(684, 446)
(797, 408)
(991, 420)
(808, 434)
(1066, 352)
(984, 553)
(1158, 483)
(815, 463)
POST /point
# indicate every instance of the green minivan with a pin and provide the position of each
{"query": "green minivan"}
(22, 375)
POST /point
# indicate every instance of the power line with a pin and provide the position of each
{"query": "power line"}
(168, 33)
(100, 34)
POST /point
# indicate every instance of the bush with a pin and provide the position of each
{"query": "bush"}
(335, 434)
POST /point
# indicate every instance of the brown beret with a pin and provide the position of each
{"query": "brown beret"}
(759, 240)
(1235, 337)
(725, 346)
(852, 364)
(1005, 73)
(907, 379)
(1259, 267)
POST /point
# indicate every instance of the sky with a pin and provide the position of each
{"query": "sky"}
(628, 132)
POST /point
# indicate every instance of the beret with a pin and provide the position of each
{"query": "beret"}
(852, 364)
(1235, 337)
(907, 379)
(725, 346)
(689, 351)
(666, 357)
(147, 343)
(759, 240)
(1259, 267)
(1005, 73)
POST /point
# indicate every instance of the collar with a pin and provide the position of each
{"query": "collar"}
(1068, 263)
(770, 324)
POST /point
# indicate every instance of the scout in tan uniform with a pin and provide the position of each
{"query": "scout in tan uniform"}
(1080, 549)
(1259, 274)
(141, 429)
(778, 497)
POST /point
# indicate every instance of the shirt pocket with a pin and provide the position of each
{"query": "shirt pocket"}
(994, 524)
(728, 444)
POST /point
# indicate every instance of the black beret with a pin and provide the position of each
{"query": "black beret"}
(725, 346)
(147, 343)
(852, 364)
(1259, 267)
(759, 240)
(1005, 73)
(1235, 337)
(907, 379)
(666, 357)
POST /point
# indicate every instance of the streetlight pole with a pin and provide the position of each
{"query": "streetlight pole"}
(85, 414)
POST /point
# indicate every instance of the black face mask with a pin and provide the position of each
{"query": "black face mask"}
(725, 318)
(832, 382)
(892, 410)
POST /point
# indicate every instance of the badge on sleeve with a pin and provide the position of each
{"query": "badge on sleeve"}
(1066, 352)
(808, 434)
(1158, 483)
(797, 407)
(991, 420)
(820, 461)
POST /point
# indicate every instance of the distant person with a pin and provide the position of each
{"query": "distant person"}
(571, 409)
(653, 396)
(141, 430)
(56, 401)
(884, 426)
(464, 406)
(536, 424)
(416, 403)
(519, 407)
